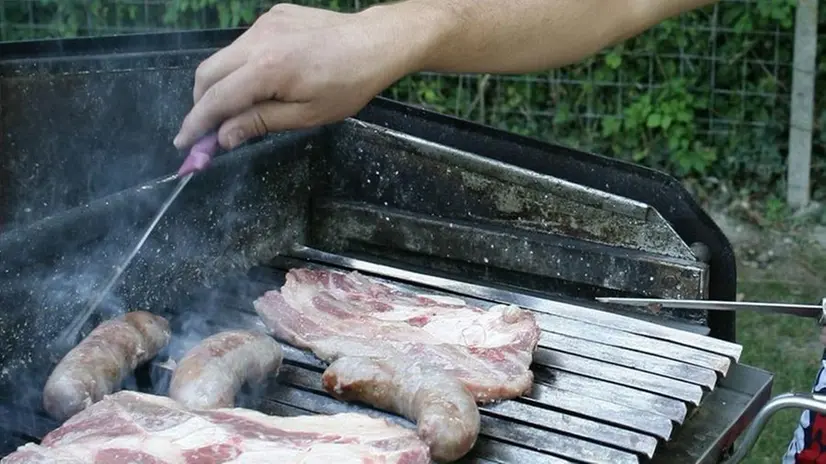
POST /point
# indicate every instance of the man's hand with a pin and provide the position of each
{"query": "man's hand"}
(298, 67)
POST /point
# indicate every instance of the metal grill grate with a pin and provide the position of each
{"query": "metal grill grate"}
(607, 388)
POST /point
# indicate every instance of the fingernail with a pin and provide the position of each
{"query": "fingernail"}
(177, 141)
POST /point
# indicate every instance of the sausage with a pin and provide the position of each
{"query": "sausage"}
(446, 415)
(210, 375)
(100, 363)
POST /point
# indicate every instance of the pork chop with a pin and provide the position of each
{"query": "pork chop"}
(146, 429)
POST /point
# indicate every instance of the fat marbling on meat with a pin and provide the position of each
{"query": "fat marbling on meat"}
(426, 357)
(138, 427)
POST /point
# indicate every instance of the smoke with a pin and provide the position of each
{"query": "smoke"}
(191, 248)
(82, 157)
(78, 130)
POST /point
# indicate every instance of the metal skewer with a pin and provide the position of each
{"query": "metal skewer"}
(70, 335)
(810, 311)
(199, 158)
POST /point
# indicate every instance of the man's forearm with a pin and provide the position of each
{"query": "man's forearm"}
(520, 36)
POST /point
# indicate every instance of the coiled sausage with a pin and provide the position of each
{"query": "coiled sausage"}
(446, 415)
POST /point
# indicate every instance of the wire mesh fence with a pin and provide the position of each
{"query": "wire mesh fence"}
(706, 93)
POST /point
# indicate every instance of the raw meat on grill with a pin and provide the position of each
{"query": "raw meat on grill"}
(32, 453)
(138, 427)
(211, 374)
(100, 363)
(490, 351)
(341, 315)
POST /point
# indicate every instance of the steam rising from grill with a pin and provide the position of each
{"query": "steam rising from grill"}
(50, 269)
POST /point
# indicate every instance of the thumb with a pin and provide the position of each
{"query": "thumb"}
(261, 119)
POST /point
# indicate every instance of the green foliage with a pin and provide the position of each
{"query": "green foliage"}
(704, 95)
(230, 14)
(664, 122)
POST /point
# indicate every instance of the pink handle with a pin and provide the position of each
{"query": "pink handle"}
(200, 155)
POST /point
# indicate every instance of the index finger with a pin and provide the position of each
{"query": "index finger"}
(228, 97)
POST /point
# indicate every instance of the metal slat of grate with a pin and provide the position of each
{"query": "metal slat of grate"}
(623, 339)
(677, 370)
(639, 420)
(559, 445)
(511, 454)
(670, 408)
(620, 375)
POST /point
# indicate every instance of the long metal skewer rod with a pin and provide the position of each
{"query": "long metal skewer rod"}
(802, 310)
(810, 401)
(70, 334)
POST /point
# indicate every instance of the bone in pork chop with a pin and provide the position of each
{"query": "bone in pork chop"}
(131, 427)
(340, 315)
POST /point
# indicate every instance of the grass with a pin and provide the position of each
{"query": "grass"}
(786, 345)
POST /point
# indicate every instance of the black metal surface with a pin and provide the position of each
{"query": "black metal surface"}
(559, 261)
(35, 51)
(85, 118)
(76, 130)
(24, 424)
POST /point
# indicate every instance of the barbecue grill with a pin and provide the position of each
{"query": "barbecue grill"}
(419, 199)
